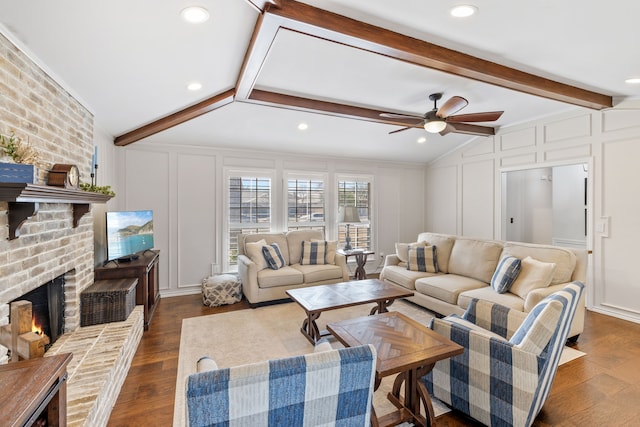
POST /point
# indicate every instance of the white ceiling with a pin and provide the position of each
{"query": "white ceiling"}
(129, 62)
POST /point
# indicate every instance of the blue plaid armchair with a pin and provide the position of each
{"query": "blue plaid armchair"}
(505, 374)
(332, 387)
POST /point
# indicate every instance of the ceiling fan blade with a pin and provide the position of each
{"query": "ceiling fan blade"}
(469, 129)
(453, 105)
(399, 116)
(487, 116)
(448, 129)
(401, 130)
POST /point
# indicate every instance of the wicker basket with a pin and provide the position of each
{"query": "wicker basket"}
(107, 301)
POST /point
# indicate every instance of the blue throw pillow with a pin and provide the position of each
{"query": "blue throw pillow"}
(505, 274)
(273, 256)
(422, 258)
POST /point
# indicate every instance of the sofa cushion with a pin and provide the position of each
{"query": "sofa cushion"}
(447, 287)
(406, 278)
(423, 259)
(273, 256)
(506, 272)
(294, 240)
(534, 274)
(564, 258)
(318, 273)
(332, 248)
(254, 252)
(488, 294)
(284, 276)
(402, 249)
(477, 259)
(313, 253)
(444, 243)
(269, 238)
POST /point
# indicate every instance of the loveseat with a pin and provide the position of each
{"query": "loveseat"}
(261, 283)
(461, 268)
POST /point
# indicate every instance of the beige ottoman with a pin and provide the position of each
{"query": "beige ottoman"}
(221, 289)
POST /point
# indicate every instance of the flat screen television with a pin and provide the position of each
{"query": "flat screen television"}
(128, 234)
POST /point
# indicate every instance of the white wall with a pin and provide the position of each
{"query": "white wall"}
(608, 140)
(184, 186)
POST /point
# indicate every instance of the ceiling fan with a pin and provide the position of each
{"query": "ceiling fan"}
(440, 120)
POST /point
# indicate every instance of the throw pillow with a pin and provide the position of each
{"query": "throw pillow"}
(273, 256)
(254, 252)
(313, 253)
(402, 249)
(506, 272)
(332, 248)
(423, 258)
(533, 274)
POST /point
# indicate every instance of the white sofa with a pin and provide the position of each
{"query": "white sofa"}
(466, 266)
(261, 284)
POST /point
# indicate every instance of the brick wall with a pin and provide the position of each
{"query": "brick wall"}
(42, 113)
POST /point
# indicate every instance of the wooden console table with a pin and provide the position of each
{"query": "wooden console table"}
(145, 269)
(31, 387)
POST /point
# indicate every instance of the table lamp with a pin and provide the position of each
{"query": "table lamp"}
(348, 215)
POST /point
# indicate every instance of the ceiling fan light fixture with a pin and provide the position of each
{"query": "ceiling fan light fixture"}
(463, 11)
(435, 126)
(195, 14)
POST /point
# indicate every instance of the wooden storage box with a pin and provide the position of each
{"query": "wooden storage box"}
(107, 301)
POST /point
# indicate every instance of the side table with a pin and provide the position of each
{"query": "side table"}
(361, 259)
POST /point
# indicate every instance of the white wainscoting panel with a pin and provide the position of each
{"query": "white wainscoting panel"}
(442, 200)
(478, 192)
(518, 139)
(482, 145)
(613, 120)
(571, 128)
(196, 222)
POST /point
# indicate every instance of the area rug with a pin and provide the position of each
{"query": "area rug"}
(253, 335)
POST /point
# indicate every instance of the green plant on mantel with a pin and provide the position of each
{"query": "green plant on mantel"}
(12, 146)
(102, 189)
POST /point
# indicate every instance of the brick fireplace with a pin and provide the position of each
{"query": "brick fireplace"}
(44, 115)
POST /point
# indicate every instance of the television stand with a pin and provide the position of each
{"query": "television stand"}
(145, 269)
(127, 258)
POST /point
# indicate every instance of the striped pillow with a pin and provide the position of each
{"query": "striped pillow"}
(273, 256)
(422, 258)
(505, 274)
(313, 253)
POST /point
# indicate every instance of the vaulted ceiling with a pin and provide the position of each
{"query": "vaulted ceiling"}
(336, 65)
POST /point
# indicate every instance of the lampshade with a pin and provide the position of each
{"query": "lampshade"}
(348, 214)
(435, 126)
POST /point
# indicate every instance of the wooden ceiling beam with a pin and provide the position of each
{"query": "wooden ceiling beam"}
(176, 118)
(323, 107)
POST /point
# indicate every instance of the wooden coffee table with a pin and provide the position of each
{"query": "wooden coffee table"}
(404, 347)
(316, 299)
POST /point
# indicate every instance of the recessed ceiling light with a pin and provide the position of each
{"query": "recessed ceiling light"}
(422, 140)
(463, 10)
(633, 80)
(303, 126)
(195, 14)
(193, 86)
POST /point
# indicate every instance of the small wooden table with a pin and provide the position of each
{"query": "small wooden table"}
(30, 387)
(316, 299)
(361, 259)
(404, 347)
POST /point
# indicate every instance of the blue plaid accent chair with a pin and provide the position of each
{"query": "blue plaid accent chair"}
(324, 388)
(505, 374)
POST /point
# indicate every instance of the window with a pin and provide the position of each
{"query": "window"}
(249, 203)
(356, 191)
(305, 204)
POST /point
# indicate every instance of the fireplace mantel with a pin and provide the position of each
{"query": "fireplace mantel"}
(23, 202)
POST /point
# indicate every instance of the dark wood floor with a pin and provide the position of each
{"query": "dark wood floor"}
(602, 388)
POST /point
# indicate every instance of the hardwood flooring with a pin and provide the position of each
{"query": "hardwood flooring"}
(602, 388)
